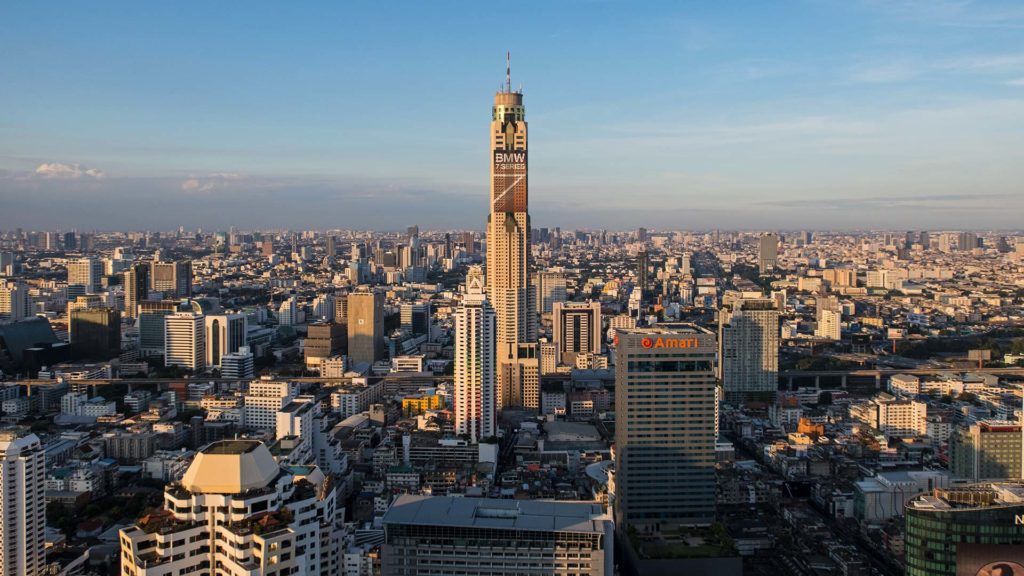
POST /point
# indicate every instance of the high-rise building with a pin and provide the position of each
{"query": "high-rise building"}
(238, 510)
(85, 272)
(508, 234)
(987, 450)
(643, 267)
(323, 341)
(476, 401)
(576, 327)
(185, 341)
(22, 505)
(288, 311)
(239, 365)
(262, 401)
(829, 317)
(550, 289)
(15, 302)
(748, 333)
(174, 279)
(332, 247)
(151, 325)
(365, 325)
(965, 530)
(665, 427)
(415, 317)
(768, 253)
(136, 288)
(95, 333)
(563, 537)
(224, 334)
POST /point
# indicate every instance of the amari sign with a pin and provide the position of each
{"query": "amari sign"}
(661, 342)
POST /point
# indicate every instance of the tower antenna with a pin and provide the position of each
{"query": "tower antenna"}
(508, 71)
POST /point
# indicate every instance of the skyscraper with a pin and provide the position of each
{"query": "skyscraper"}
(85, 272)
(15, 302)
(174, 279)
(23, 505)
(830, 318)
(768, 255)
(987, 450)
(665, 427)
(550, 288)
(475, 388)
(642, 271)
(185, 341)
(577, 330)
(136, 288)
(365, 325)
(225, 334)
(748, 333)
(95, 333)
(508, 233)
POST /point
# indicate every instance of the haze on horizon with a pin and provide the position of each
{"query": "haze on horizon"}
(811, 114)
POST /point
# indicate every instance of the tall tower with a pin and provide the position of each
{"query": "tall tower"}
(508, 236)
(23, 505)
(476, 399)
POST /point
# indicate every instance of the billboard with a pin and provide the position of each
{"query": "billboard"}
(989, 560)
(508, 190)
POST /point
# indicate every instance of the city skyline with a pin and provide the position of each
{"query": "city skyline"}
(708, 118)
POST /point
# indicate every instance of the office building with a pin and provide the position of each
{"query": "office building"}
(332, 246)
(262, 401)
(643, 269)
(665, 427)
(224, 334)
(550, 289)
(85, 272)
(365, 325)
(236, 511)
(829, 316)
(324, 341)
(415, 317)
(576, 327)
(136, 288)
(748, 334)
(288, 311)
(95, 333)
(987, 450)
(239, 365)
(174, 279)
(508, 234)
(151, 325)
(23, 505)
(965, 530)
(495, 537)
(768, 253)
(15, 302)
(185, 341)
(476, 401)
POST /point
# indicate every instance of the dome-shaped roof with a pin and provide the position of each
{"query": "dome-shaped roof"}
(230, 467)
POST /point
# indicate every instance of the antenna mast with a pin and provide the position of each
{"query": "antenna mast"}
(508, 71)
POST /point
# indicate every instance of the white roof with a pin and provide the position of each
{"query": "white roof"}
(231, 467)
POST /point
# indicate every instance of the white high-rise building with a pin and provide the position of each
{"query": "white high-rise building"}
(550, 289)
(22, 505)
(185, 341)
(85, 272)
(830, 318)
(262, 401)
(475, 385)
(748, 336)
(15, 302)
(288, 312)
(239, 365)
(237, 511)
(225, 334)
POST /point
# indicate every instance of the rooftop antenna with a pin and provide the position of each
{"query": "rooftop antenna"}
(508, 71)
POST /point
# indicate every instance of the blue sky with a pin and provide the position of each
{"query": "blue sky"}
(810, 114)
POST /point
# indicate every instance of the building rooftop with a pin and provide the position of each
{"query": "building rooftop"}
(976, 496)
(529, 515)
(231, 467)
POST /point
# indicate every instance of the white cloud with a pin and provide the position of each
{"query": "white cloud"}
(210, 182)
(67, 171)
(1017, 82)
